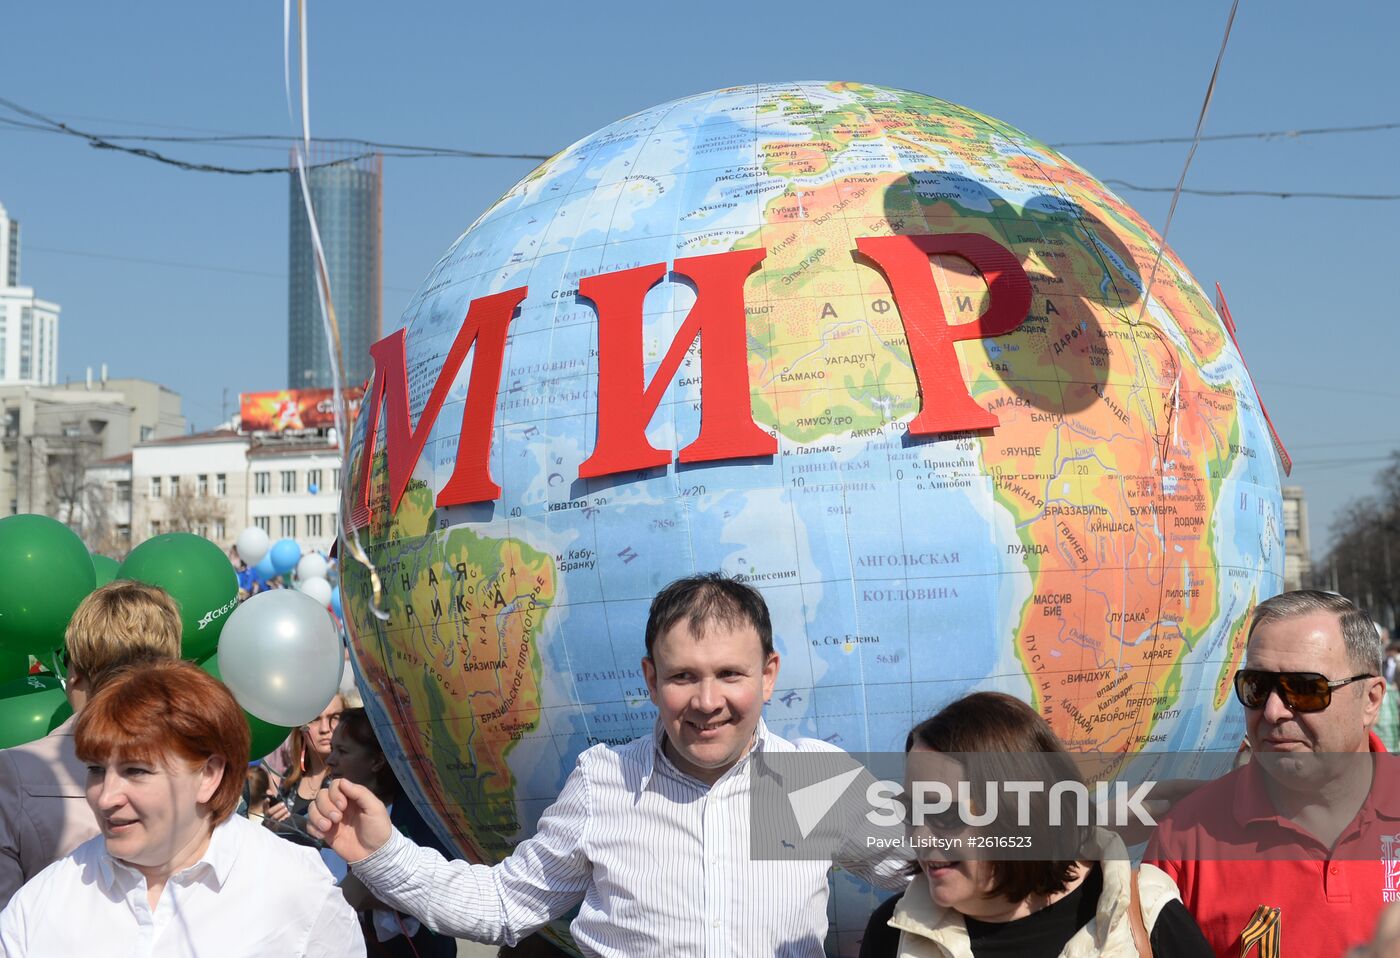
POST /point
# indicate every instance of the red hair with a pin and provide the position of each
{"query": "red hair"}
(162, 710)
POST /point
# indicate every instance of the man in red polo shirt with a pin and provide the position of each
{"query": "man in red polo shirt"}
(1297, 852)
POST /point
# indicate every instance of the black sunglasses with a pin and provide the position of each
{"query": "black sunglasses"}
(1300, 691)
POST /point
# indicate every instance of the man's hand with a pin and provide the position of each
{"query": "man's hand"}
(349, 819)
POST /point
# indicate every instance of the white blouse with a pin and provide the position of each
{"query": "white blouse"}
(251, 894)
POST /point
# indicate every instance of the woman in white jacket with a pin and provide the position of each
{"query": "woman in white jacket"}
(965, 902)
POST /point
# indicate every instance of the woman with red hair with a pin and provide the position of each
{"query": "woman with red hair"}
(174, 871)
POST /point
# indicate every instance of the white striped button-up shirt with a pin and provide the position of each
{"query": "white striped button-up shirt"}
(658, 861)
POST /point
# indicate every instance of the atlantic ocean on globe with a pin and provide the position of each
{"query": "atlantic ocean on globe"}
(891, 361)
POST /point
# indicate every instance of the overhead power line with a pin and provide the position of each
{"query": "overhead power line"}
(1267, 135)
(40, 122)
(120, 142)
(1271, 194)
(1215, 137)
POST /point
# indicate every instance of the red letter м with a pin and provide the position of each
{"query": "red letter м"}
(486, 323)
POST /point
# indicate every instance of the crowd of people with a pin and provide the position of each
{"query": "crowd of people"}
(140, 825)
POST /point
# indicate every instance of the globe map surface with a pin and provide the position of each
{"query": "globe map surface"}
(1096, 552)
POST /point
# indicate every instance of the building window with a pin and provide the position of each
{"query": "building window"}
(219, 530)
(155, 527)
(155, 487)
(147, 432)
(221, 485)
(289, 480)
(313, 525)
(204, 530)
(262, 483)
(288, 525)
(124, 490)
(313, 478)
(264, 523)
(335, 479)
(202, 484)
(174, 487)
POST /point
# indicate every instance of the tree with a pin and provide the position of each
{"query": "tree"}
(75, 497)
(1365, 556)
(187, 511)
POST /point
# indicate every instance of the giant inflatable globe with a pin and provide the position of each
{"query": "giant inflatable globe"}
(891, 361)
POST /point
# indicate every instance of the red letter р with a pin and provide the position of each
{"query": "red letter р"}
(485, 326)
(626, 402)
(946, 404)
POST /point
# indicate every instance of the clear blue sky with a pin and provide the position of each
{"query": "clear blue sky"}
(1310, 282)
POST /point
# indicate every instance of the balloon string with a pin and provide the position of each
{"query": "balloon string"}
(334, 345)
(1190, 154)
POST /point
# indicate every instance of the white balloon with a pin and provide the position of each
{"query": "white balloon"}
(312, 566)
(252, 545)
(318, 588)
(280, 655)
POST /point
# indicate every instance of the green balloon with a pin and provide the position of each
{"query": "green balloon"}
(45, 571)
(266, 736)
(14, 664)
(106, 569)
(198, 576)
(30, 708)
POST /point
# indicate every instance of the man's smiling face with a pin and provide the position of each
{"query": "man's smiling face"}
(710, 689)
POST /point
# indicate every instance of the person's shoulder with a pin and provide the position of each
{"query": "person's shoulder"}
(60, 875)
(632, 753)
(1156, 883)
(1208, 803)
(773, 742)
(44, 751)
(259, 849)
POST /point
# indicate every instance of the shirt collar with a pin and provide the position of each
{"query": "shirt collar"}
(656, 754)
(917, 913)
(214, 865)
(1252, 803)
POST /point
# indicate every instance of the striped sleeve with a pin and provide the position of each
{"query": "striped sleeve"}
(543, 878)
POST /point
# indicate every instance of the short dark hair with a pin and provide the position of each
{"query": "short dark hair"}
(1359, 633)
(710, 597)
(983, 726)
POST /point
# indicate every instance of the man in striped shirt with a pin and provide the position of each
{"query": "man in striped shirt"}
(650, 839)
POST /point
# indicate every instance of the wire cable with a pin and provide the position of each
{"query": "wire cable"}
(1216, 137)
(43, 123)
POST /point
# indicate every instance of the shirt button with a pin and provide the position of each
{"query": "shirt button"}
(715, 923)
(1333, 869)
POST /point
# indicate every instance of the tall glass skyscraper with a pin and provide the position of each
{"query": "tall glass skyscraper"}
(348, 198)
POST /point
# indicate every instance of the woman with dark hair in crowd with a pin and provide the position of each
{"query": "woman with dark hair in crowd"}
(1086, 900)
(308, 747)
(174, 871)
(356, 755)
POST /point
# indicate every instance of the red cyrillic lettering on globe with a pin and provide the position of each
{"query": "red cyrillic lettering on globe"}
(627, 403)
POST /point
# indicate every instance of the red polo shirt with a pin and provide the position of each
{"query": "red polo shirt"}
(1230, 852)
